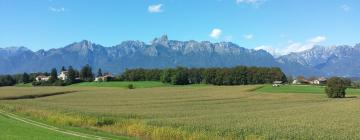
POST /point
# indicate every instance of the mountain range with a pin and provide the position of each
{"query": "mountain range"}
(162, 53)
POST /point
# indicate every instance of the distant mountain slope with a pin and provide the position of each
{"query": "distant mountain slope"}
(162, 52)
(336, 60)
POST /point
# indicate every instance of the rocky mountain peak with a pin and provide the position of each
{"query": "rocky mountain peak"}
(163, 40)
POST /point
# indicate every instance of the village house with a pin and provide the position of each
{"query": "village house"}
(63, 75)
(42, 78)
(319, 81)
(105, 77)
(277, 83)
(296, 82)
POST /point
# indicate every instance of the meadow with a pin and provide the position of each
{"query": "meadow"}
(194, 112)
(14, 130)
(123, 84)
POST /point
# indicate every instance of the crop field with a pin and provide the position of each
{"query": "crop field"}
(193, 112)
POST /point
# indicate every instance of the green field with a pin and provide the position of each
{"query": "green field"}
(194, 112)
(124, 84)
(11, 129)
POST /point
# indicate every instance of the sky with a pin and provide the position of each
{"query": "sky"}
(278, 26)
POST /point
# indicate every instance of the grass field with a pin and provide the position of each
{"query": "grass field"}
(200, 112)
(123, 84)
(15, 130)
(24, 85)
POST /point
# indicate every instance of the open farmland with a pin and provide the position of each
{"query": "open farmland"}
(192, 112)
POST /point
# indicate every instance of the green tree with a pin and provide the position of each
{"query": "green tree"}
(25, 78)
(166, 76)
(63, 68)
(71, 75)
(180, 76)
(53, 75)
(99, 73)
(336, 87)
(86, 74)
(7, 80)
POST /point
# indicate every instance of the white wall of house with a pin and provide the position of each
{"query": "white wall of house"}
(63, 75)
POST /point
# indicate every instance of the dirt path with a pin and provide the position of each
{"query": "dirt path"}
(52, 128)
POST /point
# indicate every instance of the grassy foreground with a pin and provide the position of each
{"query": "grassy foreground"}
(187, 112)
(11, 129)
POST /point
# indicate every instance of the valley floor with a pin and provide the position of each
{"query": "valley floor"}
(188, 112)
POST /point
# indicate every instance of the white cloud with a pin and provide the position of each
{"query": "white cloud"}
(345, 7)
(252, 2)
(215, 33)
(317, 39)
(292, 46)
(53, 9)
(155, 8)
(248, 36)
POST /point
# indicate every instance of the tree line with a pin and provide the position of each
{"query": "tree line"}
(240, 75)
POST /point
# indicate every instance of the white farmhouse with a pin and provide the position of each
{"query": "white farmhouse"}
(105, 77)
(63, 75)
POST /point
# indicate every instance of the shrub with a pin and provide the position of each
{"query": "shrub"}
(130, 86)
(335, 87)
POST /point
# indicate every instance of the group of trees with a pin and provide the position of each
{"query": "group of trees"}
(141, 74)
(7, 80)
(240, 75)
(10, 80)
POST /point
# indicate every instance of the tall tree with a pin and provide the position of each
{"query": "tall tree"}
(53, 75)
(25, 78)
(63, 68)
(71, 75)
(99, 73)
(86, 73)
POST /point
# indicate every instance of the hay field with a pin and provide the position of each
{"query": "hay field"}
(194, 112)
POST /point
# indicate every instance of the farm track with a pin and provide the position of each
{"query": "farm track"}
(53, 128)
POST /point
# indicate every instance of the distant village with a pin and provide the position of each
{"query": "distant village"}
(303, 81)
(64, 76)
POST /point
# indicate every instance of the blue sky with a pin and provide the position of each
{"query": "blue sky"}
(280, 26)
